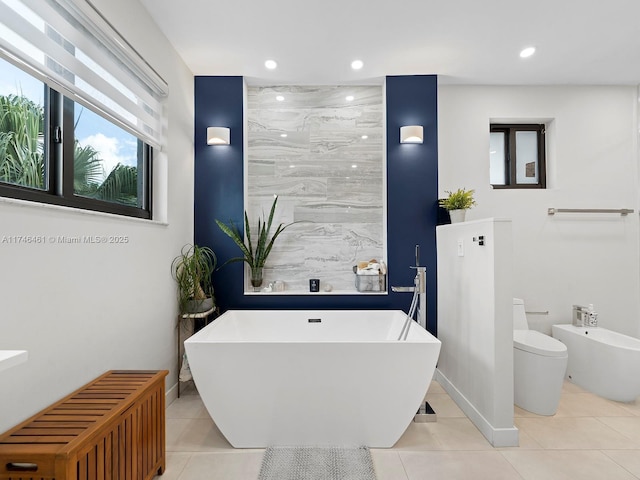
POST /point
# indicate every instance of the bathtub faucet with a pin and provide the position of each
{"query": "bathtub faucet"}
(419, 289)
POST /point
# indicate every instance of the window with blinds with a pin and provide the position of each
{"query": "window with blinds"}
(82, 111)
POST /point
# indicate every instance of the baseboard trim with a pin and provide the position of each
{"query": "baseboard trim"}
(498, 437)
(171, 394)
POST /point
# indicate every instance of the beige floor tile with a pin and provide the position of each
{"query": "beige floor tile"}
(445, 434)
(451, 448)
(627, 426)
(240, 465)
(588, 405)
(568, 387)
(418, 436)
(521, 412)
(388, 465)
(188, 388)
(435, 387)
(628, 459)
(457, 434)
(525, 442)
(633, 407)
(572, 433)
(458, 466)
(444, 406)
(201, 435)
(565, 465)
(176, 461)
(187, 406)
(174, 427)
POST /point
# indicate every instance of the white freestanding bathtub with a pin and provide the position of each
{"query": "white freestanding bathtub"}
(332, 377)
(604, 362)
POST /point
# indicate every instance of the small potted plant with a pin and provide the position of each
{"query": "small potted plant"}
(457, 203)
(192, 271)
(254, 256)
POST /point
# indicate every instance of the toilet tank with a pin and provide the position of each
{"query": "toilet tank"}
(519, 317)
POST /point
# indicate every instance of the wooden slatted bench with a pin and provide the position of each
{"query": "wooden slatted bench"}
(112, 428)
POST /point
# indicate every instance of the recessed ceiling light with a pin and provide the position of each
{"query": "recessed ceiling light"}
(364, 137)
(283, 135)
(292, 166)
(349, 98)
(357, 64)
(270, 64)
(354, 166)
(280, 98)
(527, 52)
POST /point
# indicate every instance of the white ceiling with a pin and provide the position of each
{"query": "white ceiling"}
(462, 41)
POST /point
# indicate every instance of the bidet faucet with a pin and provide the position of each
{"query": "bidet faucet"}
(584, 316)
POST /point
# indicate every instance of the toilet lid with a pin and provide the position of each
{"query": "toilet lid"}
(536, 342)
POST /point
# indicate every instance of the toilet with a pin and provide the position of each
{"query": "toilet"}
(539, 366)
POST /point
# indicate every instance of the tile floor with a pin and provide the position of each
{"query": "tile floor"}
(588, 438)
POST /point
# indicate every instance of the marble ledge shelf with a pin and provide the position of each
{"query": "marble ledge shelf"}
(305, 292)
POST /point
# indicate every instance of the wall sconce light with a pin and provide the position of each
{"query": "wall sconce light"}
(411, 134)
(218, 135)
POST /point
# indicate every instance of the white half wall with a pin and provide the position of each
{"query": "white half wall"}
(475, 324)
(82, 309)
(592, 162)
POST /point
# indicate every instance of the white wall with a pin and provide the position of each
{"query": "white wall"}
(83, 309)
(592, 162)
(475, 324)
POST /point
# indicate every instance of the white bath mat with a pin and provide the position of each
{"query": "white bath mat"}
(317, 463)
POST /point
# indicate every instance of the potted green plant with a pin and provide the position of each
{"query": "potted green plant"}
(457, 203)
(192, 271)
(254, 255)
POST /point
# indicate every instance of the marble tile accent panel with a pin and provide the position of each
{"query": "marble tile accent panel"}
(307, 188)
(262, 167)
(318, 97)
(325, 251)
(309, 149)
(337, 213)
(264, 119)
(267, 145)
(341, 190)
(302, 167)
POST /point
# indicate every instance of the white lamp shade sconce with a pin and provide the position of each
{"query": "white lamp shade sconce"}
(411, 134)
(218, 136)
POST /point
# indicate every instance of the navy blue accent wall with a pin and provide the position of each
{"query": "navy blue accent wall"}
(412, 183)
(411, 194)
(219, 178)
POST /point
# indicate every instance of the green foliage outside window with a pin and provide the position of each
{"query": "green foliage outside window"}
(22, 157)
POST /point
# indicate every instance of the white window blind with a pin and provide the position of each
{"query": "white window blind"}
(71, 47)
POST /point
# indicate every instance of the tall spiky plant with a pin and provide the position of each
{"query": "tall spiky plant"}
(254, 257)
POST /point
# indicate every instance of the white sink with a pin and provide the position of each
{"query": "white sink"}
(11, 358)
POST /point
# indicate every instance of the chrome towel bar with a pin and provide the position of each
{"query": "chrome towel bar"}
(621, 211)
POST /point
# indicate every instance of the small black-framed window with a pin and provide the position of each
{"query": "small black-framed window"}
(517, 155)
(54, 150)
